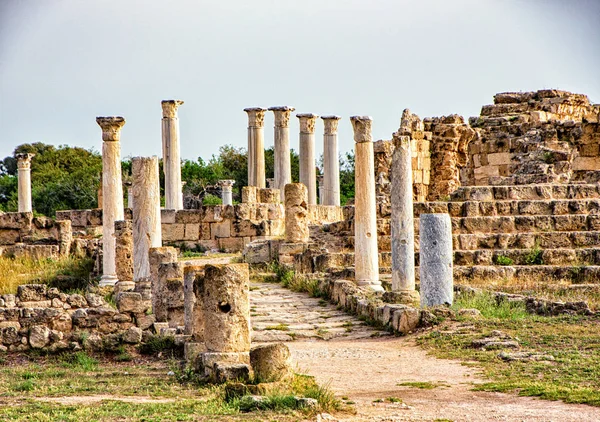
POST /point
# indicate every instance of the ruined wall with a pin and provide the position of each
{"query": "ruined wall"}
(547, 136)
(22, 234)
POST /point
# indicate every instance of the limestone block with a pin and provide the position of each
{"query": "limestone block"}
(226, 307)
(296, 213)
(124, 249)
(188, 216)
(222, 229)
(212, 213)
(231, 244)
(16, 220)
(499, 158)
(262, 211)
(9, 237)
(131, 302)
(32, 292)
(258, 251)
(173, 232)
(269, 196)
(167, 216)
(191, 231)
(94, 217)
(586, 163)
(275, 212)
(133, 335)
(270, 362)
(405, 320)
(249, 195)
(245, 211)
(241, 228)
(39, 336)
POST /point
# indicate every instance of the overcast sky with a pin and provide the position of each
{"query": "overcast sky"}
(64, 62)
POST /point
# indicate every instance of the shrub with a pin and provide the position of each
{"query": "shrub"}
(503, 260)
(534, 257)
(210, 199)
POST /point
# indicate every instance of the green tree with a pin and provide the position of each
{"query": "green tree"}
(346, 177)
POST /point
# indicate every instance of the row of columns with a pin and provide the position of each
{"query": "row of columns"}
(283, 168)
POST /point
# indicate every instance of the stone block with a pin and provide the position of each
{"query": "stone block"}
(269, 196)
(245, 211)
(131, 302)
(212, 213)
(173, 232)
(32, 292)
(221, 229)
(270, 362)
(249, 195)
(188, 216)
(191, 231)
(231, 244)
(167, 216)
(586, 163)
(39, 336)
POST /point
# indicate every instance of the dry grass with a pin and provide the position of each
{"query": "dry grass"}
(556, 290)
(17, 271)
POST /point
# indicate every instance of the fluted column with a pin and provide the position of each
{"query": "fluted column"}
(226, 194)
(283, 165)
(171, 154)
(366, 256)
(24, 181)
(146, 214)
(308, 174)
(256, 146)
(112, 193)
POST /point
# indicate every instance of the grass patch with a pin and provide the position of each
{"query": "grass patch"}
(278, 327)
(68, 273)
(423, 385)
(79, 360)
(503, 260)
(160, 345)
(574, 342)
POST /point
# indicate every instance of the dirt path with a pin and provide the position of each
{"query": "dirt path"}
(366, 366)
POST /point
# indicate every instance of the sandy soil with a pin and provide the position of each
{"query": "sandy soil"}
(370, 369)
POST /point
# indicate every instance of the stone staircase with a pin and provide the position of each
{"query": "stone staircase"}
(539, 232)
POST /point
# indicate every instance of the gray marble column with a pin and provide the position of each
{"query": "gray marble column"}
(402, 222)
(24, 182)
(320, 183)
(366, 255)
(146, 214)
(112, 194)
(308, 174)
(226, 191)
(256, 146)
(283, 166)
(331, 163)
(171, 155)
(435, 263)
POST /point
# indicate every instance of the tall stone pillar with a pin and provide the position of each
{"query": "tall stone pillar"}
(146, 214)
(112, 194)
(226, 194)
(402, 222)
(308, 174)
(320, 182)
(435, 263)
(283, 165)
(24, 181)
(366, 255)
(256, 146)
(296, 213)
(331, 163)
(171, 155)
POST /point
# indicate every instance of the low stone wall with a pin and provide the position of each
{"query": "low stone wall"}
(38, 317)
(22, 234)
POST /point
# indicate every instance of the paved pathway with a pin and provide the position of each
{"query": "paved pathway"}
(278, 314)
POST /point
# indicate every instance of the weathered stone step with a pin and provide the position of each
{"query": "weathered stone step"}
(539, 191)
(583, 256)
(532, 240)
(533, 273)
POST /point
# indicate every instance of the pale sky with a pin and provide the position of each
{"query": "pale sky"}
(64, 62)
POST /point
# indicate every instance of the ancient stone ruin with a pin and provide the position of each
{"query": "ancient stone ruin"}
(441, 201)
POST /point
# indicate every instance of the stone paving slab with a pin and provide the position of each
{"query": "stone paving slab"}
(278, 314)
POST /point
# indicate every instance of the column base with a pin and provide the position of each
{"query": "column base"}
(374, 285)
(124, 286)
(404, 297)
(108, 280)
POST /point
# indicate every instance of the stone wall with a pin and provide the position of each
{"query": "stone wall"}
(548, 136)
(38, 317)
(22, 234)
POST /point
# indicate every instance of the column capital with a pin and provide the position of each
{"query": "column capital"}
(24, 160)
(362, 128)
(169, 108)
(307, 122)
(400, 140)
(226, 183)
(256, 116)
(111, 127)
(331, 124)
(282, 115)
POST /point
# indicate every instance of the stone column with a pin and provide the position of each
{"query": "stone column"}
(129, 195)
(112, 193)
(124, 255)
(402, 222)
(226, 194)
(283, 165)
(321, 191)
(171, 154)
(146, 214)
(256, 146)
(308, 175)
(296, 213)
(24, 181)
(435, 263)
(366, 255)
(331, 163)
